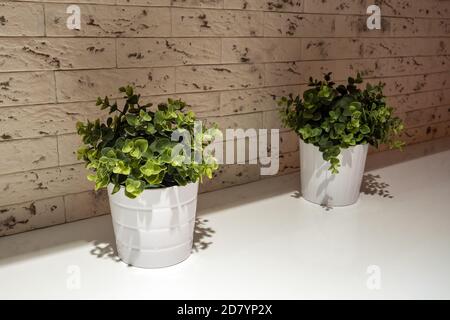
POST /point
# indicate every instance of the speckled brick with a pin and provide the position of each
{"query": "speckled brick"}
(31, 215)
(220, 77)
(22, 88)
(196, 22)
(88, 85)
(167, 52)
(108, 21)
(53, 54)
(23, 155)
(21, 19)
(86, 205)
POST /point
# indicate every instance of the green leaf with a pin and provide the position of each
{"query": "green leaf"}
(116, 189)
(339, 128)
(134, 187)
(316, 132)
(365, 129)
(128, 146)
(150, 129)
(130, 131)
(132, 120)
(129, 91)
(122, 168)
(141, 144)
(145, 116)
(113, 108)
(155, 180)
(151, 168)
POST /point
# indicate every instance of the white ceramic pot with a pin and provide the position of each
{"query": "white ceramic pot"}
(156, 229)
(322, 187)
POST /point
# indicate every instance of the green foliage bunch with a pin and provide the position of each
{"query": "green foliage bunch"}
(134, 147)
(335, 117)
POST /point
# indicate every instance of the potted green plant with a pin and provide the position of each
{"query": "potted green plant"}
(145, 158)
(336, 124)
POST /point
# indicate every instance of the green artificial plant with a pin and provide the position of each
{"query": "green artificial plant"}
(335, 117)
(135, 149)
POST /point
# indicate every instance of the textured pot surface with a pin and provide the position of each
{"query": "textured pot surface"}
(156, 229)
(322, 187)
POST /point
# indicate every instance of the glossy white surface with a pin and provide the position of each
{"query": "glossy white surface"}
(262, 241)
(156, 229)
(319, 185)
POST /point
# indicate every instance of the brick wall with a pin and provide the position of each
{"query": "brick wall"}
(228, 58)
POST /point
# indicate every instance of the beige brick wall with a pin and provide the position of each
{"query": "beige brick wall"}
(228, 58)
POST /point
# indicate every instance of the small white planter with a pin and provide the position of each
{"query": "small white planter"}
(322, 187)
(156, 229)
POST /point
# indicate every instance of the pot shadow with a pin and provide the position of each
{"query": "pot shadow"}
(373, 186)
(297, 195)
(202, 233)
(325, 203)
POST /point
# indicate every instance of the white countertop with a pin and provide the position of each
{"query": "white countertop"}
(261, 241)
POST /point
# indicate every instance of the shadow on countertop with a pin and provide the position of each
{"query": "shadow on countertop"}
(373, 185)
(202, 233)
(98, 232)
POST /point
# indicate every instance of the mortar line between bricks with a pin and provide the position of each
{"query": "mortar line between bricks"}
(65, 209)
(57, 150)
(236, 90)
(45, 20)
(226, 90)
(116, 48)
(171, 21)
(355, 59)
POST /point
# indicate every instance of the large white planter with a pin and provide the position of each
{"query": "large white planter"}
(156, 229)
(322, 187)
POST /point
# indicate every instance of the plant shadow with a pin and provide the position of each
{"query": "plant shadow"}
(103, 250)
(202, 233)
(373, 186)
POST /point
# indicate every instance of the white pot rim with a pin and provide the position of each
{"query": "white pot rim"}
(111, 186)
(360, 144)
